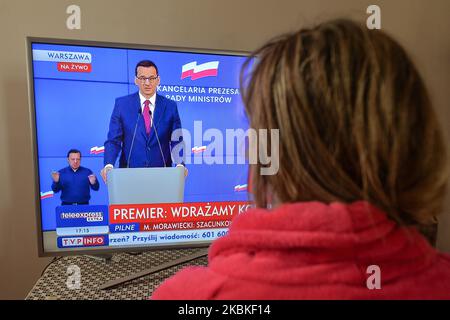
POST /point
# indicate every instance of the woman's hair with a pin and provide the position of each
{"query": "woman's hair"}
(355, 122)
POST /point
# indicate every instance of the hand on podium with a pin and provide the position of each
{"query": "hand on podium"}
(104, 172)
(186, 171)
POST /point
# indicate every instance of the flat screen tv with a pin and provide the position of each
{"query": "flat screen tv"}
(73, 87)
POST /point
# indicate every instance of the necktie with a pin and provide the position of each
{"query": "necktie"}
(147, 118)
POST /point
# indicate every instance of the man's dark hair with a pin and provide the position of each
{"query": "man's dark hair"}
(146, 64)
(73, 151)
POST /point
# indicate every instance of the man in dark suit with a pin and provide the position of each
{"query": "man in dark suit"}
(141, 125)
(74, 181)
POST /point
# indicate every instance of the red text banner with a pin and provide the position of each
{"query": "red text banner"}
(74, 67)
(176, 212)
(185, 225)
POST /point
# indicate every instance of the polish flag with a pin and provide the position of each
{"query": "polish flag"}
(240, 187)
(45, 195)
(198, 149)
(191, 69)
(97, 150)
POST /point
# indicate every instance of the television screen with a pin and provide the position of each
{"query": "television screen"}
(74, 88)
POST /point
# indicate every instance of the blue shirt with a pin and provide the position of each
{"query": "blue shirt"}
(75, 185)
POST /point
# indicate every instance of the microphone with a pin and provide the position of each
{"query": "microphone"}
(157, 138)
(134, 135)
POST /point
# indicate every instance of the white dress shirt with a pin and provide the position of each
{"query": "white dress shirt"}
(152, 103)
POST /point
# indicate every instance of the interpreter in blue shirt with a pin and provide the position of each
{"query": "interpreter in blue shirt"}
(74, 181)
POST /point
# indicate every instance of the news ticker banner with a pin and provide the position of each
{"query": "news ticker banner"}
(144, 224)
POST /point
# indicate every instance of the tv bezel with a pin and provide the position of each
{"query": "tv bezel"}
(32, 113)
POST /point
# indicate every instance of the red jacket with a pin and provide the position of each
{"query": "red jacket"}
(315, 251)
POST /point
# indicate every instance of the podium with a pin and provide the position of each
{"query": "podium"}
(143, 186)
(146, 185)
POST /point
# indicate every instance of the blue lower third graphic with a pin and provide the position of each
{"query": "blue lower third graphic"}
(81, 216)
(86, 241)
(125, 227)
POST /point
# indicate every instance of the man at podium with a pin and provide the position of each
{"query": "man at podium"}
(141, 125)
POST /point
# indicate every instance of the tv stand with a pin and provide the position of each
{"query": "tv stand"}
(101, 257)
(114, 283)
